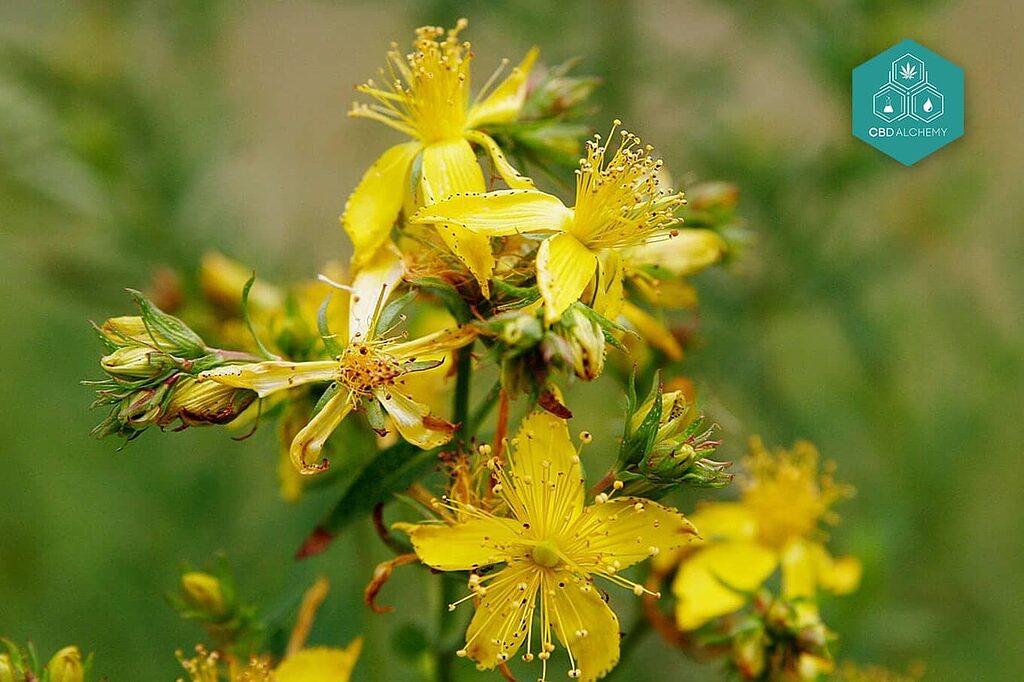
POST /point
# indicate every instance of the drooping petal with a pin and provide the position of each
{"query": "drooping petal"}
(564, 268)
(652, 330)
(503, 104)
(503, 616)
(545, 471)
(320, 664)
(703, 585)
(413, 419)
(272, 376)
(450, 167)
(724, 521)
(689, 252)
(609, 296)
(438, 342)
(372, 208)
(309, 442)
(500, 213)
(464, 546)
(584, 623)
(807, 565)
(626, 530)
(371, 289)
(512, 177)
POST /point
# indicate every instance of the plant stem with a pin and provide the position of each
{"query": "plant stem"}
(444, 654)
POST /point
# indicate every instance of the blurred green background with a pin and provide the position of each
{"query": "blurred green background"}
(876, 311)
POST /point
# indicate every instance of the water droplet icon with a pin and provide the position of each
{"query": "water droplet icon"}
(928, 106)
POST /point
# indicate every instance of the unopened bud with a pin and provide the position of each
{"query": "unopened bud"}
(203, 592)
(207, 402)
(6, 669)
(748, 651)
(136, 362)
(66, 665)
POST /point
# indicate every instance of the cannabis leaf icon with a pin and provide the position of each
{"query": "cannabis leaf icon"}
(908, 71)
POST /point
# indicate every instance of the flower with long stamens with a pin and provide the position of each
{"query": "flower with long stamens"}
(369, 372)
(620, 204)
(775, 524)
(426, 95)
(552, 546)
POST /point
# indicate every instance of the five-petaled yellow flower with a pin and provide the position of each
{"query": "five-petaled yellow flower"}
(370, 371)
(775, 523)
(426, 95)
(552, 546)
(620, 203)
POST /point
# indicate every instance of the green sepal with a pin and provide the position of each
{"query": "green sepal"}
(183, 341)
(334, 349)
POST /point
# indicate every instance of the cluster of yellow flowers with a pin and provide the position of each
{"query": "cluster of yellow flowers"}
(510, 278)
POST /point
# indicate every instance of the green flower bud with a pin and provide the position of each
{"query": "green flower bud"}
(66, 665)
(137, 362)
(195, 403)
(748, 653)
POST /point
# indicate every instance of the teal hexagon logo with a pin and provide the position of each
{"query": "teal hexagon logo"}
(908, 102)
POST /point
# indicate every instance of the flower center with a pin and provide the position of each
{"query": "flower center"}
(364, 368)
(546, 554)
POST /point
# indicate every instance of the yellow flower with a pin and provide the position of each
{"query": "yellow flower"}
(619, 204)
(552, 546)
(425, 95)
(369, 371)
(775, 524)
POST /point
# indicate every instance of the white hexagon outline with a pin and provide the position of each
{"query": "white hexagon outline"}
(939, 112)
(889, 87)
(894, 72)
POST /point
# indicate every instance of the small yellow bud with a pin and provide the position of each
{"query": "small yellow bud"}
(6, 669)
(202, 591)
(66, 665)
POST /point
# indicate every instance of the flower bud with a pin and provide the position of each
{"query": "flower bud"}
(579, 343)
(6, 669)
(666, 443)
(202, 592)
(136, 362)
(748, 653)
(195, 403)
(706, 196)
(66, 665)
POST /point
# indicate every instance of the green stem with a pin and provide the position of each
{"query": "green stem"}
(445, 654)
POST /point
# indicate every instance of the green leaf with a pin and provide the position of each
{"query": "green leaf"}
(183, 341)
(449, 295)
(391, 313)
(330, 340)
(636, 445)
(248, 321)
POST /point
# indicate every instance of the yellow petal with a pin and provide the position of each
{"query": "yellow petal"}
(564, 268)
(309, 442)
(652, 330)
(272, 376)
(500, 213)
(320, 664)
(689, 252)
(503, 616)
(512, 177)
(584, 624)
(700, 585)
(413, 419)
(608, 293)
(464, 546)
(371, 288)
(806, 566)
(450, 167)
(506, 100)
(724, 521)
(627, 530)
(372, 208)
(799, 570)
(543, 452)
